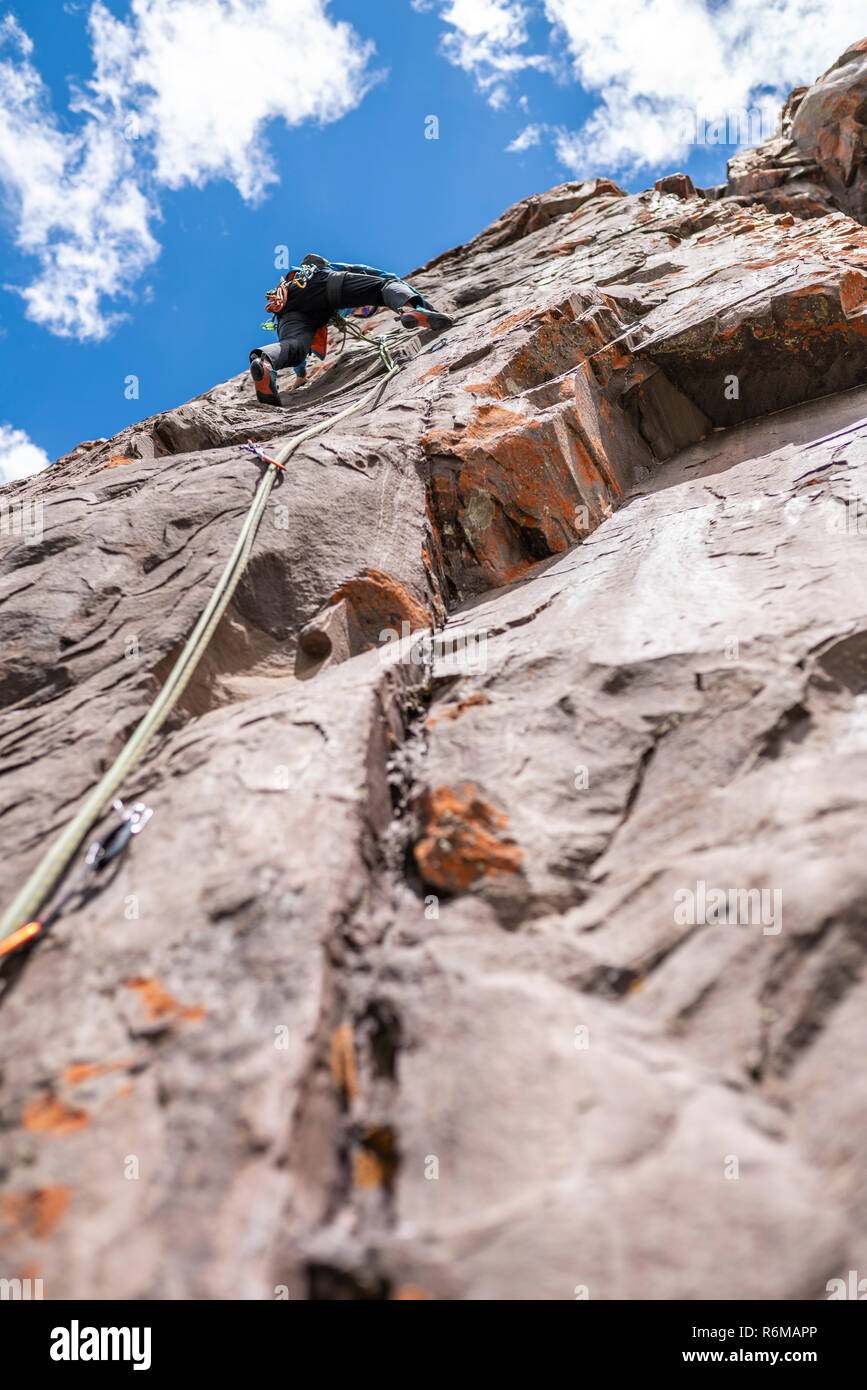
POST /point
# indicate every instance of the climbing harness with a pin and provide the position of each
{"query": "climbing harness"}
(101, 853)
(308, 268)
(18, 925)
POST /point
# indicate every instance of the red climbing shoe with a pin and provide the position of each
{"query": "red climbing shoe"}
(265, 380)
(425, 318)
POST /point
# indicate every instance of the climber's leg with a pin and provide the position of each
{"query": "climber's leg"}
(409, 307)
(296, 335)
(264, 376)
(358, 290)
(396, 294)
(425, 318)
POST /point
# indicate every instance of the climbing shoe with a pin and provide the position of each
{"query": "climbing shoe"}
(319, 261)
(265, 381)
(425, 318)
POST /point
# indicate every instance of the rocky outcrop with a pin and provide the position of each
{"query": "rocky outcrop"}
(818, 162)
(499, 932)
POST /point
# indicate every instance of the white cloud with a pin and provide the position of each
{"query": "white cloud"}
(181, 92)
(205, 76)
(485, 39)
(649, 63)
(653, 61)
(529, 136)
(76, 206)
(19, 456)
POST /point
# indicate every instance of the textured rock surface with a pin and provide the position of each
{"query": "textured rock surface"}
(393, 998)
(818, 162)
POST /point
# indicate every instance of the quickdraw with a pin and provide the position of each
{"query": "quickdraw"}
(101, 853)
(252, 447)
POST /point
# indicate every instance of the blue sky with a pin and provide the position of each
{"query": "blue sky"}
(154, 153)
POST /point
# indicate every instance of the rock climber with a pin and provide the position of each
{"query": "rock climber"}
(309, 295)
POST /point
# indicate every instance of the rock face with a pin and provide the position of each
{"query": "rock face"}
(499, 932)
(818, 163)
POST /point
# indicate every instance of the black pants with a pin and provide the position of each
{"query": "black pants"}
(296, 328)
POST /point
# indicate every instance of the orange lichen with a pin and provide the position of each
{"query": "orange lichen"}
(512, 321)
(79, 1072)
(456, 710)
(50, 1115)
(116, 461)
(515, 495)
(522, 477)
(36, 1213)
(853, 291)
(160, 1006)
(382, 601)
(366, 1170)
(344, 1072)
(461, 840)
(486, 388)
(375, 1164)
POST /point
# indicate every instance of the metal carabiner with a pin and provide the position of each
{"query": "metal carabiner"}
(133, 820)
